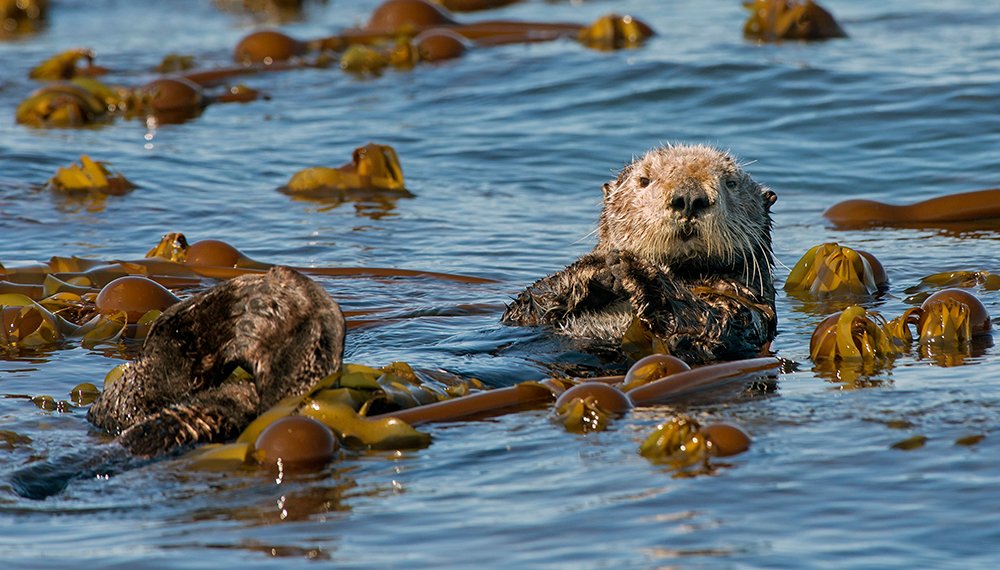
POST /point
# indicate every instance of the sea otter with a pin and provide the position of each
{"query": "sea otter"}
(280, 327)
(684, 247)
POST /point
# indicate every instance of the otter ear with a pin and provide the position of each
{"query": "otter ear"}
(625, 172)
(770, 198)
(606, 188)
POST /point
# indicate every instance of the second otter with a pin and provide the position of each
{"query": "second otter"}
(684, 247)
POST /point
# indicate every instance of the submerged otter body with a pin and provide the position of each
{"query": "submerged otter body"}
(280, 327)
(684, 246)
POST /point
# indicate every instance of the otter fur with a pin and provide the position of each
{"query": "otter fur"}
(280, 327)
(684, 247)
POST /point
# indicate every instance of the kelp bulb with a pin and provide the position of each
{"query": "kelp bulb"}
(402, 15)
(213, 252)
(135, 295)
(608, 398)
(439, 45)
(653, 367)
(726, 439)
(267, 46)
(296, 441)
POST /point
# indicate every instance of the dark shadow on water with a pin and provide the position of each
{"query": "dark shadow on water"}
(43, 479)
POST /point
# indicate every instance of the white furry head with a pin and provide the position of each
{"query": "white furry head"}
(690, 204)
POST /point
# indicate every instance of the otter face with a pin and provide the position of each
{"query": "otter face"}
(684, 203)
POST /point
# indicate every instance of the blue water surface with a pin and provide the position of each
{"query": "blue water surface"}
(505, 151)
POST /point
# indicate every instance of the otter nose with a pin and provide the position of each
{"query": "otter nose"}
(690, 203)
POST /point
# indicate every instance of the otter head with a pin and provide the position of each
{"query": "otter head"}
(680, 205)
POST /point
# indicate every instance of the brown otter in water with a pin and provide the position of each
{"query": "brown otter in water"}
(281, 327)
(684, 245)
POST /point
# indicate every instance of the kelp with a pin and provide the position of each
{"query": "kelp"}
(174, 62)
(854, 334)
(175, 263)
(73, 98)
(65, 315)
(949, 279)
(90, 176)
(64, 104)
(22, 16)
(297, 443)
(27, 324)
(372, 167)
(951, 319)
(856, 343)
(776, 20)
(679, 444)
(980, 208)
(397, 21)
(831, 271)
(64, 66)
(651, 368)
(590, 406)
(84, 293)
(684, 445)
(615, 31)
(473, 5)
(343, 402)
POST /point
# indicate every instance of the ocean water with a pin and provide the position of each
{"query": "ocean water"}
(504, 151)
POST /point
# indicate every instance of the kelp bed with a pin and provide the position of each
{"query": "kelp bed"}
(872, 448)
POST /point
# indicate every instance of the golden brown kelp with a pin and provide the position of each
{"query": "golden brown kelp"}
(854, 335)
(949, 279)
(590, 406)
(342, 402)
(74, 98)
(22, 16)
(90, 176)
(966, 209)
(682, 444)
(63, 66)
(372, 167)
(855, 343)
(64, 105)
(775, 20)
(830, 270)
(400, 20)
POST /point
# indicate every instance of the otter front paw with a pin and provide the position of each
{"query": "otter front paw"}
(634, 278)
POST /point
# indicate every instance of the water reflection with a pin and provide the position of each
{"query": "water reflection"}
(373, 204)
(947, 355)
(854, 375)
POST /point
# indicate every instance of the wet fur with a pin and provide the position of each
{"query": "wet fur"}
(281, 327)
(684, 245)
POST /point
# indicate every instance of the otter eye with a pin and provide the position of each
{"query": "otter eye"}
(732, 183)
(643, 181)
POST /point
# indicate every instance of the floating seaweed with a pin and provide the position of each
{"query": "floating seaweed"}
(395, 22)
(776, 20)
(372, 167)
(98, 301)
(830, 271)
(22, 16)
(949, 279)
(73, 97)
(65, 104)
(63, 66)
(966, 209)
(590, 406)
(855, 344)
(90, 176)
